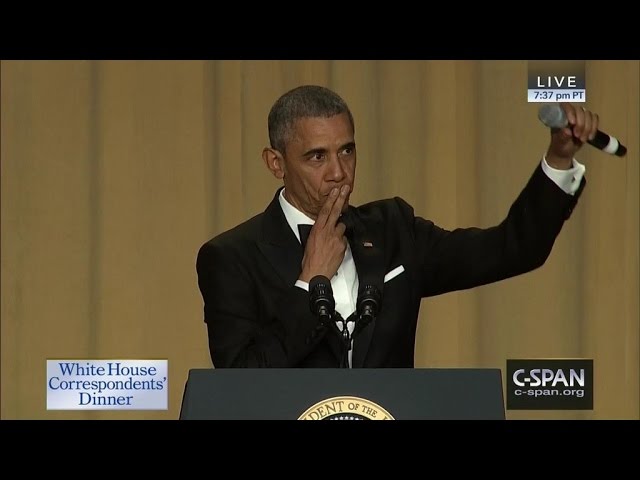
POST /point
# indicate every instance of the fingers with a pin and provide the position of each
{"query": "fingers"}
(594, 125)
(336, 210)
(586, 131)
(579, 126)
(583, 122)
(326, 209)
(332, 208)
(570, 112)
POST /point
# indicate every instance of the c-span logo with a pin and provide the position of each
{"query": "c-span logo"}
(550, 384)
(346, 408)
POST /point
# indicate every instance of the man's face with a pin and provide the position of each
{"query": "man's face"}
(320, 155)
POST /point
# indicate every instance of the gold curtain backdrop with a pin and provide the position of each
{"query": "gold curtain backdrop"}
(115, 172)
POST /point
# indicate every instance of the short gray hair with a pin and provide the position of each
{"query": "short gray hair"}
(307, 101)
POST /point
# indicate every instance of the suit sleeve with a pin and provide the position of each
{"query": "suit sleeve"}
(470, 257)
(231, 310)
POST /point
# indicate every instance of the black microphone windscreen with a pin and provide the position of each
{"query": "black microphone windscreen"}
(319, 280)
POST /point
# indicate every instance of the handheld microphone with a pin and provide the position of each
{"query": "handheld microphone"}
(321, 299)
(553, 116)
(368, 305)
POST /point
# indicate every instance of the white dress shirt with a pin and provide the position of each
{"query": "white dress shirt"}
(345, 282)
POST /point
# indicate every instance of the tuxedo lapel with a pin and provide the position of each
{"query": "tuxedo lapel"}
(367, 248)
(279, 244)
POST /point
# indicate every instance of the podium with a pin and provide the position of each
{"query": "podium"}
(343, 394)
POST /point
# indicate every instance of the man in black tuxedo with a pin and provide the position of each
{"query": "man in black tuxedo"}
(255, 278)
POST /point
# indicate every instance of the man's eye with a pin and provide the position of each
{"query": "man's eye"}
(318, 156)
(347, 151)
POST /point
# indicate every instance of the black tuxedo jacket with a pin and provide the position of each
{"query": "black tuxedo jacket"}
(257, 317)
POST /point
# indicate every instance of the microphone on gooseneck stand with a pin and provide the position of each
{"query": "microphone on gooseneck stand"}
(322, 305)
(367, 306)
(321, 299)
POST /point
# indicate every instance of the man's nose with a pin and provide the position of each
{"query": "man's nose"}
(337, 172)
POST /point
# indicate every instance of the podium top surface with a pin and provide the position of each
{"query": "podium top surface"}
(398, 393)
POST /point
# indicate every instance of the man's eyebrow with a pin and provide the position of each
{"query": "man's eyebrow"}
(324, 150)
(314, 151)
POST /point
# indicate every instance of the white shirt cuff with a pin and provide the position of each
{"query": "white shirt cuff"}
(303, 285)
(567, 180)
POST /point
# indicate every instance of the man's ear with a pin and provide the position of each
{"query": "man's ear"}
(274, 162)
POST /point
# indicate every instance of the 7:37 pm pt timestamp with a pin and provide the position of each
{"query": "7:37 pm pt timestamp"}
(560, 95)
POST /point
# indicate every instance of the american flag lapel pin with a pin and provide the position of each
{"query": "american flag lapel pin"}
(367, 244)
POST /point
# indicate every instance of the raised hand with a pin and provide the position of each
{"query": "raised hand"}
(327, 243)
(565, 142)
